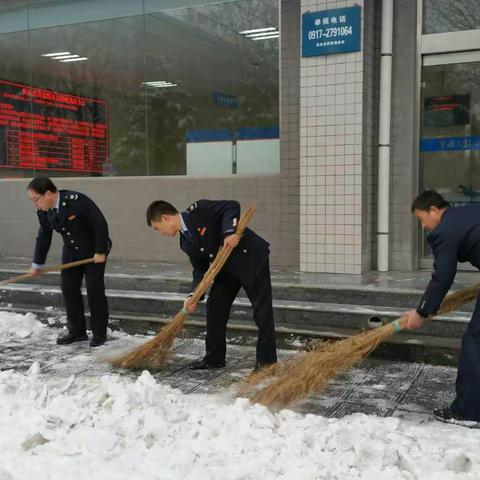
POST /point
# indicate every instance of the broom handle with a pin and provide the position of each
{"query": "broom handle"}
(220, 259)
(449, 304)
(42, 271)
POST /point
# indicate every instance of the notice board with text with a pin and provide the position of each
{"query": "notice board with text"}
(48, 130)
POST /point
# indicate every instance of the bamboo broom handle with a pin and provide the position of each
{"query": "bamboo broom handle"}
(449, 304)
(220, 259)
(53, 268)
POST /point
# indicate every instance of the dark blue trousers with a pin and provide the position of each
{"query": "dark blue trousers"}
(467, 402)
(222, 294)
(97, 301)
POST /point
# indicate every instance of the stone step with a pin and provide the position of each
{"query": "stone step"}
(368, 295)
(290, 314)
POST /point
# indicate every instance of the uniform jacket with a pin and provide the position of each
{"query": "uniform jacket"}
(208, 223)
(455, 239)
(80, 223)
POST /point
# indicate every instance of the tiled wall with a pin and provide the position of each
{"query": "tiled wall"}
(124, 201)
(331, 165)
(290, 126)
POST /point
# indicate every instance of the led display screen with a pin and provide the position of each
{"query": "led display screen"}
(47, 130)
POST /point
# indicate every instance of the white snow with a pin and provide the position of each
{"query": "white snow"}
(126, 427)
(18, 326)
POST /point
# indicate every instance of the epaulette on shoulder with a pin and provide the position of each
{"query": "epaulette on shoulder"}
(67, 197)
(192, 208)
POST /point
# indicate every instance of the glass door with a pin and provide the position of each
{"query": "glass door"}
(450, 130)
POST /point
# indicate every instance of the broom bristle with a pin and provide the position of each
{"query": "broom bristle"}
(247, 386)
(155, 352)
(312, 370)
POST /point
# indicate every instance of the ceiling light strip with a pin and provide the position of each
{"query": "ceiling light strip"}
(256, 39)
(159, 83)
(253, 35)
(63, 57)
(257, 30)
(80, 59)
(55, 54)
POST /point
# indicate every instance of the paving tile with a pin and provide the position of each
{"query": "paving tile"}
(348, 408)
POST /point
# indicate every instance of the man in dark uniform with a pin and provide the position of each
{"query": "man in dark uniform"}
(454, 237)
(203, 228)
(85, 234)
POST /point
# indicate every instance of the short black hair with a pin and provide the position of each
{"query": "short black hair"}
(158, 208)
(428, 199)
(42, 185)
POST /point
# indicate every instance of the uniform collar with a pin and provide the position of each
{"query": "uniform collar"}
(57, 205)
(182, 221)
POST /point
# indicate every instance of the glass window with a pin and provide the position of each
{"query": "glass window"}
(218, 82)
(15, 68)
(139, 89)
(450, 134)
(450, 16)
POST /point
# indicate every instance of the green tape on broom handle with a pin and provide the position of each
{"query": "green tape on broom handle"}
(185, 312)
(396, 326)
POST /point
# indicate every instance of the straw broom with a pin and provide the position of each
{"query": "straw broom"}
(155, 352)
(311, 371)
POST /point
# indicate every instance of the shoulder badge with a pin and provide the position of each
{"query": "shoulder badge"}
(192, 207)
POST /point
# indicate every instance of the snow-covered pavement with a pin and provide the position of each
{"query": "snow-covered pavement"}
(66, 415)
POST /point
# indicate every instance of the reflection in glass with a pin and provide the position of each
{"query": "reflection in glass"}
(450, 16)
(110, 77)
(223, 82)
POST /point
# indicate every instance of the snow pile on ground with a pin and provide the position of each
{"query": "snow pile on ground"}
(121, 427)
(16, 325)
(117, 427)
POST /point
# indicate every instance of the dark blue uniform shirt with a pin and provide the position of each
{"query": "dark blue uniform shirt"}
(208, 223)
(80, 223)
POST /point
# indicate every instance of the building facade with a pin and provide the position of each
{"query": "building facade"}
(135, 100)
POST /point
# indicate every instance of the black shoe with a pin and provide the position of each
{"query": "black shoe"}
(70, 338)
(446, 415)
(205, 365)
(259, 365)
(97, 341)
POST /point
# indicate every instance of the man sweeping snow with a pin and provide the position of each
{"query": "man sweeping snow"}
(203, 228)
(454, 235)
(84, 231)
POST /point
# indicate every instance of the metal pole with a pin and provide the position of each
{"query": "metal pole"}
(383, 230)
